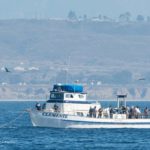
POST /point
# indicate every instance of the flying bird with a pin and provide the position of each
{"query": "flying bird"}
(142, 79)
(6, 69)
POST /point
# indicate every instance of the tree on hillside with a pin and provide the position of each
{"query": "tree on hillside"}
(126, 17)
(105, 18)
(100, 17)
(140, 18)
(148, 18)
(84, 17)
(72, 15)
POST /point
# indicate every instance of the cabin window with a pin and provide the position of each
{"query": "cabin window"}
(56, 96)
(80, 114)
(81, 96)
(69, 96)
(53, 96)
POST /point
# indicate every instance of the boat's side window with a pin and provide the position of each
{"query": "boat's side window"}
(81, 96)
(80, 113)
(56, 96)
(69, 96)
(53, 96)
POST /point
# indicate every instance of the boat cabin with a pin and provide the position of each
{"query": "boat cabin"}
(70, 99)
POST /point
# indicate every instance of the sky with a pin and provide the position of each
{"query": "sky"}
(11, 9)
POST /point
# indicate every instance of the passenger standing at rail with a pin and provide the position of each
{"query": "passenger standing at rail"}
(44, 106)
(127, 111)
(124, 109)
(146, 112)
(100, 113)
(38, 106)
(90, 112)
(111, 111)
(131, 112)
(56, 108)
(94, 112)
(138, 112)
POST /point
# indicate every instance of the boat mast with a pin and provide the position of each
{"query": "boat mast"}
(67, 69)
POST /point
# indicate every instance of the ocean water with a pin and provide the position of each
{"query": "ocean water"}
(20, 135)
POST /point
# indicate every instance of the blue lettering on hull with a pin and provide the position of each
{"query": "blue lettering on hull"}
(57, 115)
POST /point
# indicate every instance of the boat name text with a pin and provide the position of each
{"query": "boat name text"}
(54, 115)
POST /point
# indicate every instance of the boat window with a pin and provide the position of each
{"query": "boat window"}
(69, 96)
(53, 96)
(56, 96)
(80, 113)
(81, 96)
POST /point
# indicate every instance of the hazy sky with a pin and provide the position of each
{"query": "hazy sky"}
(60, 8)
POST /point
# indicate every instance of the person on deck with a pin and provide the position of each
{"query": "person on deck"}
(146, 112)
(38, 106)
(111, 111)
(90, 112)
(56, 108)
(44, 106)
(137, 112)
(94, 112)
(100, 113)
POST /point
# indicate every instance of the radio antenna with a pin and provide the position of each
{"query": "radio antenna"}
(67, 69)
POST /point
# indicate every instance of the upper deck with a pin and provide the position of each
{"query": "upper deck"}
(75, 88)
(67, 92)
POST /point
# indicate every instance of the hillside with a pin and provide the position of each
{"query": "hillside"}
(111, 53)
(81, 40)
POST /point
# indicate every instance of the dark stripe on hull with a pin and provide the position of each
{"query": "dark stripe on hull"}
(74, 102)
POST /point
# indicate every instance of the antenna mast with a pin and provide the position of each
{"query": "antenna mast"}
(67, 69)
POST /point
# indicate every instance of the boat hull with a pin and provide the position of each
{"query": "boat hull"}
(57, 120)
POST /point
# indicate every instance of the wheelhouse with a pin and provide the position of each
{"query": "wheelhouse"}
(70, 99)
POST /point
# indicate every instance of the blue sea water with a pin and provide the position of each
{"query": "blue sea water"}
(20, 135)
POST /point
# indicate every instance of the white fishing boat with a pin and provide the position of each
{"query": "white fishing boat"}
(67, 107)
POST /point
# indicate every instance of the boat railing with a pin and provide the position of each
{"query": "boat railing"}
(139, 116)
(85, 113)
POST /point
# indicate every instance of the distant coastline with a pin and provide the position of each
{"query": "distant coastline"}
(43, 100)
(22, 100)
